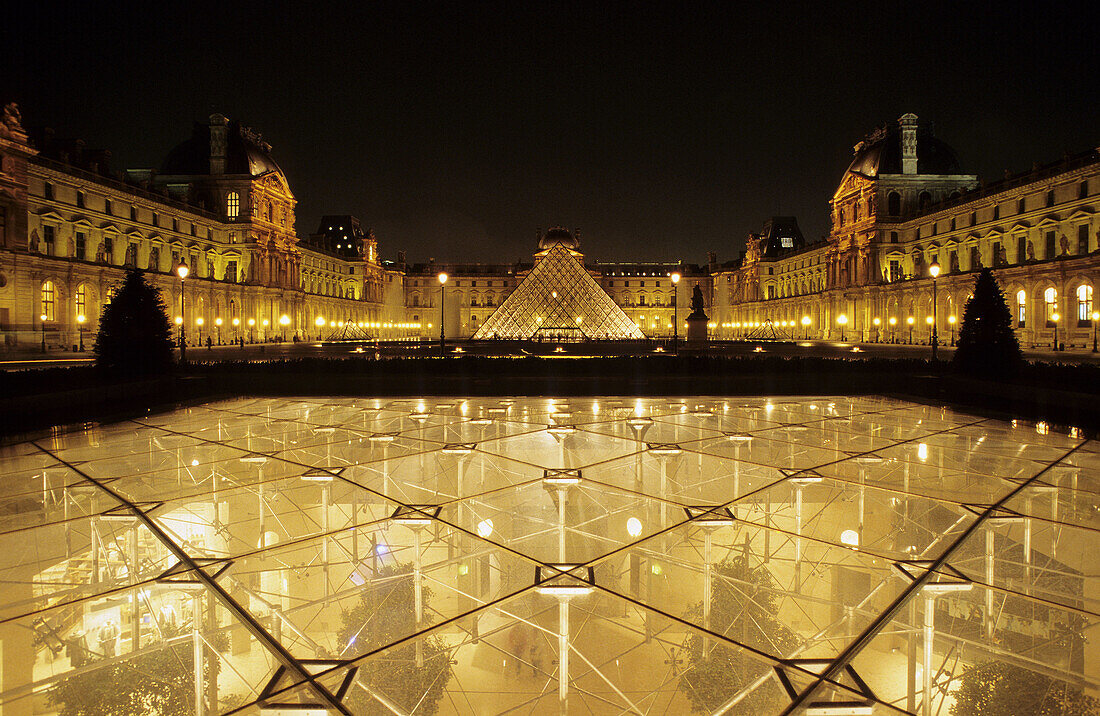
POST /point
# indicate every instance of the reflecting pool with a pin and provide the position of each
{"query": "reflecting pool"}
(616, 555)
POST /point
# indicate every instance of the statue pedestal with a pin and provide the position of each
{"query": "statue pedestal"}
(697, 331)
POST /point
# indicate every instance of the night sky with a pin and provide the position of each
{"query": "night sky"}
(661, 131)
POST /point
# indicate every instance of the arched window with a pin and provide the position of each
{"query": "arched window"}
(1050, 303)
(233, 205)
(1084, 305)
(924, 200)
(1021, 308)
(893, 203)
(81, 300)
(48, 305)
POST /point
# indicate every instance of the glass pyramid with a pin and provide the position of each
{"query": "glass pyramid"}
(559, 299)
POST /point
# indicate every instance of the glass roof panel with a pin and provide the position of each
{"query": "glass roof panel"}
(492, 555)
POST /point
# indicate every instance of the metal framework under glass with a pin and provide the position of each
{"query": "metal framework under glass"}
(819, 555)
(559, 299)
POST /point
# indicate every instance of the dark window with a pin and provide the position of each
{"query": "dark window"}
(154, 218)
(107, 206)
(1021, 205)
(175, 225)
(996, 212)
(975, 258)
(1050, 242)
(81, 245)
(47, 191)
(49, 233)
(973, 218)
(893, 203)
(133, 213)
(108, 248)
(996, 254)
(1083, 190)
(952, 223)
(1050, 198)
(1021, 249)
(893, 237)
(924, 200)
(231, 271)
(935, 226)
(80, 199)
(1083, 239)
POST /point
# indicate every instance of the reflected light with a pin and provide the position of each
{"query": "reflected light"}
(485, 528)
(634, 527)
(850, 538)
(922, 451)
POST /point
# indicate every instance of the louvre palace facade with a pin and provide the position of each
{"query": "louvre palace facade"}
(218, 202)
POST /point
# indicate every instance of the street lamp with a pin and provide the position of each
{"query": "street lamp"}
(934, 269)
(284, 321)
(1095, 322)
(182, 272)
(806, 326)
(842, 320)
(878, 322)
(910, 321)
(218, 327)
(43, 317)
(1054, 319)
(251, 325)
(236, 329)
(200, 323)
(675, 328)
(951, 322)
(80, 327)
(320, 323)
(893, 329)
(442, 337)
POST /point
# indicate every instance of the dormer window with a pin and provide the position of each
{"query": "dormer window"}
(233, 205)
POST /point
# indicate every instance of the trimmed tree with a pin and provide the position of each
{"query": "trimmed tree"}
(987, 344)
(385, 613)
(134, 336)
(998, 688)
(158, 680)
(743, 608)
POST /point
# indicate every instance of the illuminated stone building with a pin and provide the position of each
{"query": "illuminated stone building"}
(903, 204)
(218, 202)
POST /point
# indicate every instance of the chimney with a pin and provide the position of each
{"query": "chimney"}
(219, 139)
(712, 261)
(908, 124)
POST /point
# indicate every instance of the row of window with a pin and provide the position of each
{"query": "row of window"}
(1050, 307)
(109, 209)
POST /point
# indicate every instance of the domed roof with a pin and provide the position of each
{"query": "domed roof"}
(245, 153)
(880, 153)
(559, 236)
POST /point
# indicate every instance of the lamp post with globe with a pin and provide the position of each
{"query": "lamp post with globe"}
(910, 321)
(80, 327)
(442, 336)
(951, 320)
(842, 321)
(675, 328)
(284, 321)
(1054, 320)
(934, 270)
(182, 272)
